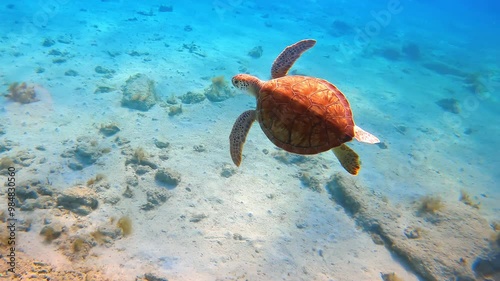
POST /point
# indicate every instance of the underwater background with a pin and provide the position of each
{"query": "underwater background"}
(116, 115)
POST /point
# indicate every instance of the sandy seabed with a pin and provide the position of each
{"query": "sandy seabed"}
(160, 199)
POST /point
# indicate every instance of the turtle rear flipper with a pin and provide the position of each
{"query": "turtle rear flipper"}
(347, 158)
(287, 58)
(363, 136)
(239, 135)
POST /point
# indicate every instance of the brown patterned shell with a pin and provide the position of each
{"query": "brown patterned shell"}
(304, 115)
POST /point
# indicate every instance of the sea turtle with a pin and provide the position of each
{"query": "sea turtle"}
(300, 114)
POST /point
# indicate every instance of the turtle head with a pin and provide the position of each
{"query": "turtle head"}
(247, 83)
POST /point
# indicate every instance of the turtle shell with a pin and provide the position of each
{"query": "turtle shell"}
(304, 115)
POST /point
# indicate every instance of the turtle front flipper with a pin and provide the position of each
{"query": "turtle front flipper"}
(239, 134)
(287, 58)
(347, 158)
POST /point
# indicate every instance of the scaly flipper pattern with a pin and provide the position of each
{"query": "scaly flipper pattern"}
(239, 134)
(347, 158)
(287, 58)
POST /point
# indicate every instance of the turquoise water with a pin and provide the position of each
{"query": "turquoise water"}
(423, 76)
